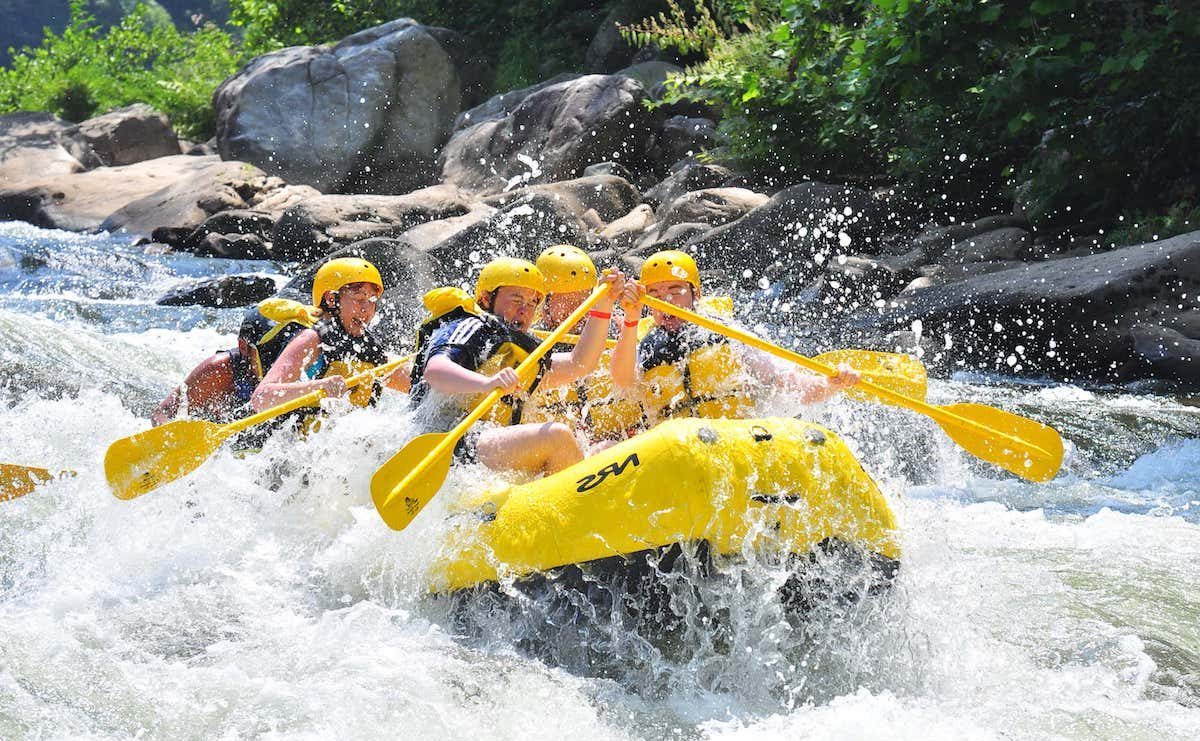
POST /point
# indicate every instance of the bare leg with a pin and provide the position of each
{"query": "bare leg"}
(530, 448)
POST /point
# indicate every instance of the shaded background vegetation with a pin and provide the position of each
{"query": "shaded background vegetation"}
(1082, 114)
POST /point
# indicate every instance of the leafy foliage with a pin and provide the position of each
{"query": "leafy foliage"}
(1078, 109)
(88, 69)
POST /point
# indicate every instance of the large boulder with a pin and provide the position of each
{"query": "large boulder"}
(1010, 243)
(685, 179)
(1069, 318)
(86, 200)
(800, 228)
(608, 195)
(935, 241)
(522, 228)
(715, 206)
(122, 137)
(684, 136)
(31, 147)
(424, 237)
(189, 201)
(1170, 353)
(367, 115)
(622, 233)
(320, 225)
(499, 106)
(223, 292)
(553, 134)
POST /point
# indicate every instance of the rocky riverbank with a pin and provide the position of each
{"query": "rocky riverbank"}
(381, 145)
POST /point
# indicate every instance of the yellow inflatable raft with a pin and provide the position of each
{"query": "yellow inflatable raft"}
(779, 487)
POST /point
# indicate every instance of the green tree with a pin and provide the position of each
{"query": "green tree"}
(88, 69)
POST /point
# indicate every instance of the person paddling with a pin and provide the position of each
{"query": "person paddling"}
(684, 371)
(340, 345)
(474, 353)
(220, 387)
(588, 405)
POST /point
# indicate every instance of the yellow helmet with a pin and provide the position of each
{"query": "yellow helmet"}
(670, 265)
(509, 271)
(444, 300)
(567, 269)
(343, 271)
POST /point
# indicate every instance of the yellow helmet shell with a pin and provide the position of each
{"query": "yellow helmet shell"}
(444, 300)
(509, 271)
(670, 265)
(567, 269)
(343, 271)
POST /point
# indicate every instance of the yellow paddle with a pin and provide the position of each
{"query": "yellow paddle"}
(17, 480)
(903, 374)
(143, 462)
(409, 480)
(1019, 445)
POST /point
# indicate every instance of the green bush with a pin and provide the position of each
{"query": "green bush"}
(1080, 109)
(87, 70)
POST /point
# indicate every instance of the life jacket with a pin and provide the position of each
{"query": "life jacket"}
(590, 403)
(343, 354)
(703, 377)
(268, 328)
(449, 305)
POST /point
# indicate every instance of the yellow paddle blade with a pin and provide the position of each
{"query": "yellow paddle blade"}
(903, 374)
(143, 462)
(1029, 449)
(399, 500)
(17, 481)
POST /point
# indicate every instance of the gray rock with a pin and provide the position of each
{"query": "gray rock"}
(1069, 318)
(675, 237)
(609, 196)
(367, 115)
(625, 231)
(608, 168)
(127, 135)
(167, 191)
(424, 237)
(651, 74)
(223, 292)
(1171, 354)
(690, 177)
(320, 225)
(608, 52)
(500, 106)
(800, 228)
(683, 136)
(553, 134)
(935, 241)
(1009, 243)
(229, 246)
(211, 186)
(31, 147)
(713, 206)
(522, 228)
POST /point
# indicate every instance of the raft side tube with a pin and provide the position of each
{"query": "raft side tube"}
(779, 483)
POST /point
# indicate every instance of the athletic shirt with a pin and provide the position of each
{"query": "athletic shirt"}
(469, 340)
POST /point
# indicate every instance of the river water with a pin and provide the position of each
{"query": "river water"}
(263, 597)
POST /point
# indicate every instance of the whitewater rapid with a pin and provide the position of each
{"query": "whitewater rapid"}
(262, 597)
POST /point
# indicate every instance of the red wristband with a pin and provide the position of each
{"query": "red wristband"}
(599, 314)
(634, 323)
